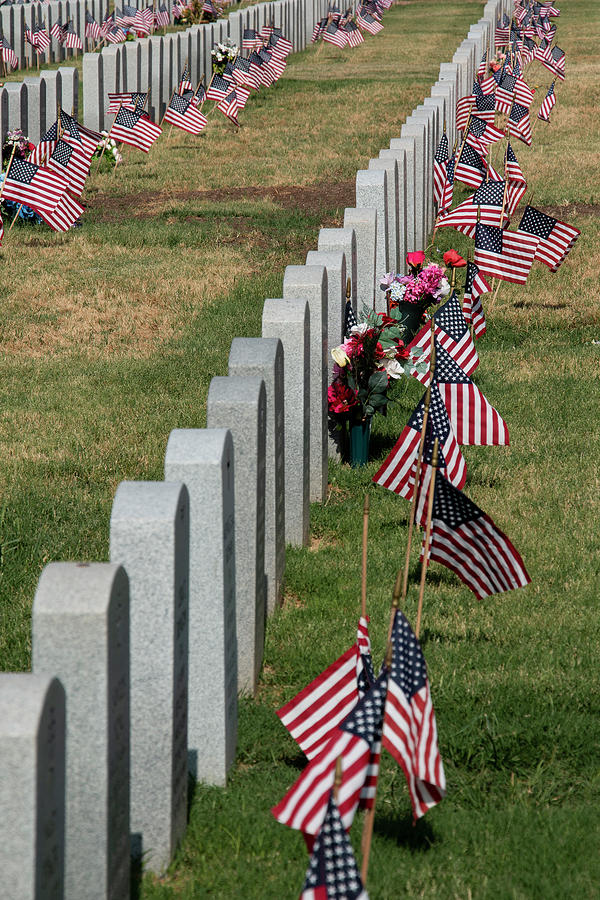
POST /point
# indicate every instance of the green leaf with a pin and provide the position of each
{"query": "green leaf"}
(378, 381)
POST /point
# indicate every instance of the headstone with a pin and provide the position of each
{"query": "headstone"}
(424, 115)
(16, 93)
(372, 193)
(342, 240)
(70, 89)
(93, 92)
(131, 66)
(445, 90)
(81, 635)
(32, 786)
(310, 283)
(418, 133)
(391, 172)
(112, 71)
(400, 157)
(289, 320)
(202, 458)
(149, 537)
(36, 108)
(155, 52)
(263, 358)
(407, 146)
(364, 223)
(144, 64)
(239, 403)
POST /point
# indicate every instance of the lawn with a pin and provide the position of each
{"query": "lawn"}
(110, 337)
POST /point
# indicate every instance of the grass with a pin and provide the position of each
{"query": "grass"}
(111, 339)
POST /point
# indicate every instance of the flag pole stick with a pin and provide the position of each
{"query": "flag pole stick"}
(365, 540)
(337, 780)
(413, 505)
(169, 103)
(367, 835)
(425, 561)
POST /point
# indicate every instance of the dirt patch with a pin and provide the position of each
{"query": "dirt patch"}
(570, 210)
(311, 199)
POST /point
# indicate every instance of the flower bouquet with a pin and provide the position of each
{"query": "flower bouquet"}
(222, 54)
(409, 296)
(369, 360)
(22, 146)
(108, 153)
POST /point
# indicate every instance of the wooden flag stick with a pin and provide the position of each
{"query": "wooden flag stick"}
(365, 540)
(425, 560)
(337, 779)
(163, 118)
(367, 835)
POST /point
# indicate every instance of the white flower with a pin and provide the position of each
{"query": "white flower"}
(361, 328)
(340, 356)
(397, 291)
(444, 288)
(393, 368)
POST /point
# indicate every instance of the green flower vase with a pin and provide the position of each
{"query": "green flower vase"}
(359, 437)
(412, 318)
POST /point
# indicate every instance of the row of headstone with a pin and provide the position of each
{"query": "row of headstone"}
(155, 63)
(32, 104)
(138, 662)
(15, 20)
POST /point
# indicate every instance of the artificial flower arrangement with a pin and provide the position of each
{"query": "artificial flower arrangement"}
(222, 54)
(108, 152)
(22, 148)
(369, 360)
(411, 295)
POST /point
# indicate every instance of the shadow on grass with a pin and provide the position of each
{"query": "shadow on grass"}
(418, 837)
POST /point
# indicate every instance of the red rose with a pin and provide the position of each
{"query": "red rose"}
(415, 260)
(452, 259)
(402, 352)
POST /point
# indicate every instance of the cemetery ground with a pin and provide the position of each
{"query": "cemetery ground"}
(110, 336)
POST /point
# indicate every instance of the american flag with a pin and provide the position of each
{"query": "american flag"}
(275, 65)
(398, 472)
(92, 29)
(209, 9)
(77, 134)
(161, 16)
(126, 16)
(353, 34)
(452, 334)
(467, 541)
(482, 132)
(242, 75)
(34, 186)
(349, 318)
(448, 188)
(333, 872)
(134, 127)
(59, 32)
(470, 167)
(555, 238)
(556, 63)
(66, 213)
(38, 38)
(503, 254)
(279, 40)
(313, 714)
(136, 99)
(72, 40)
(547, 104)
(464, 105)
(368, 23)
(440, 168)
(143, 22)
(250, 39)
(318, 30)
(482, 69)
(184, 115)
(107, 24)
(228, 72)
(473, 418)
(71, 163)
(185, 83)
(512, 167)
(217, 89)
(230, 106)
(409, 726)
(485, 205)
(475, 286)
(9, 57)
(519, 124)
(266, 31)
(116, 35)
(304, 805)
(502, 37)
(335, 35)
(488, 85)
(258, 69)
(485, 106)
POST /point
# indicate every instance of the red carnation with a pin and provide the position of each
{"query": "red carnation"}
(340, 397)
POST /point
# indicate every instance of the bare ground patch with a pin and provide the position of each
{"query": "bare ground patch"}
(309, 199)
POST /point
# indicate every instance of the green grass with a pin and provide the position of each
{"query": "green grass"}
(110, 339)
